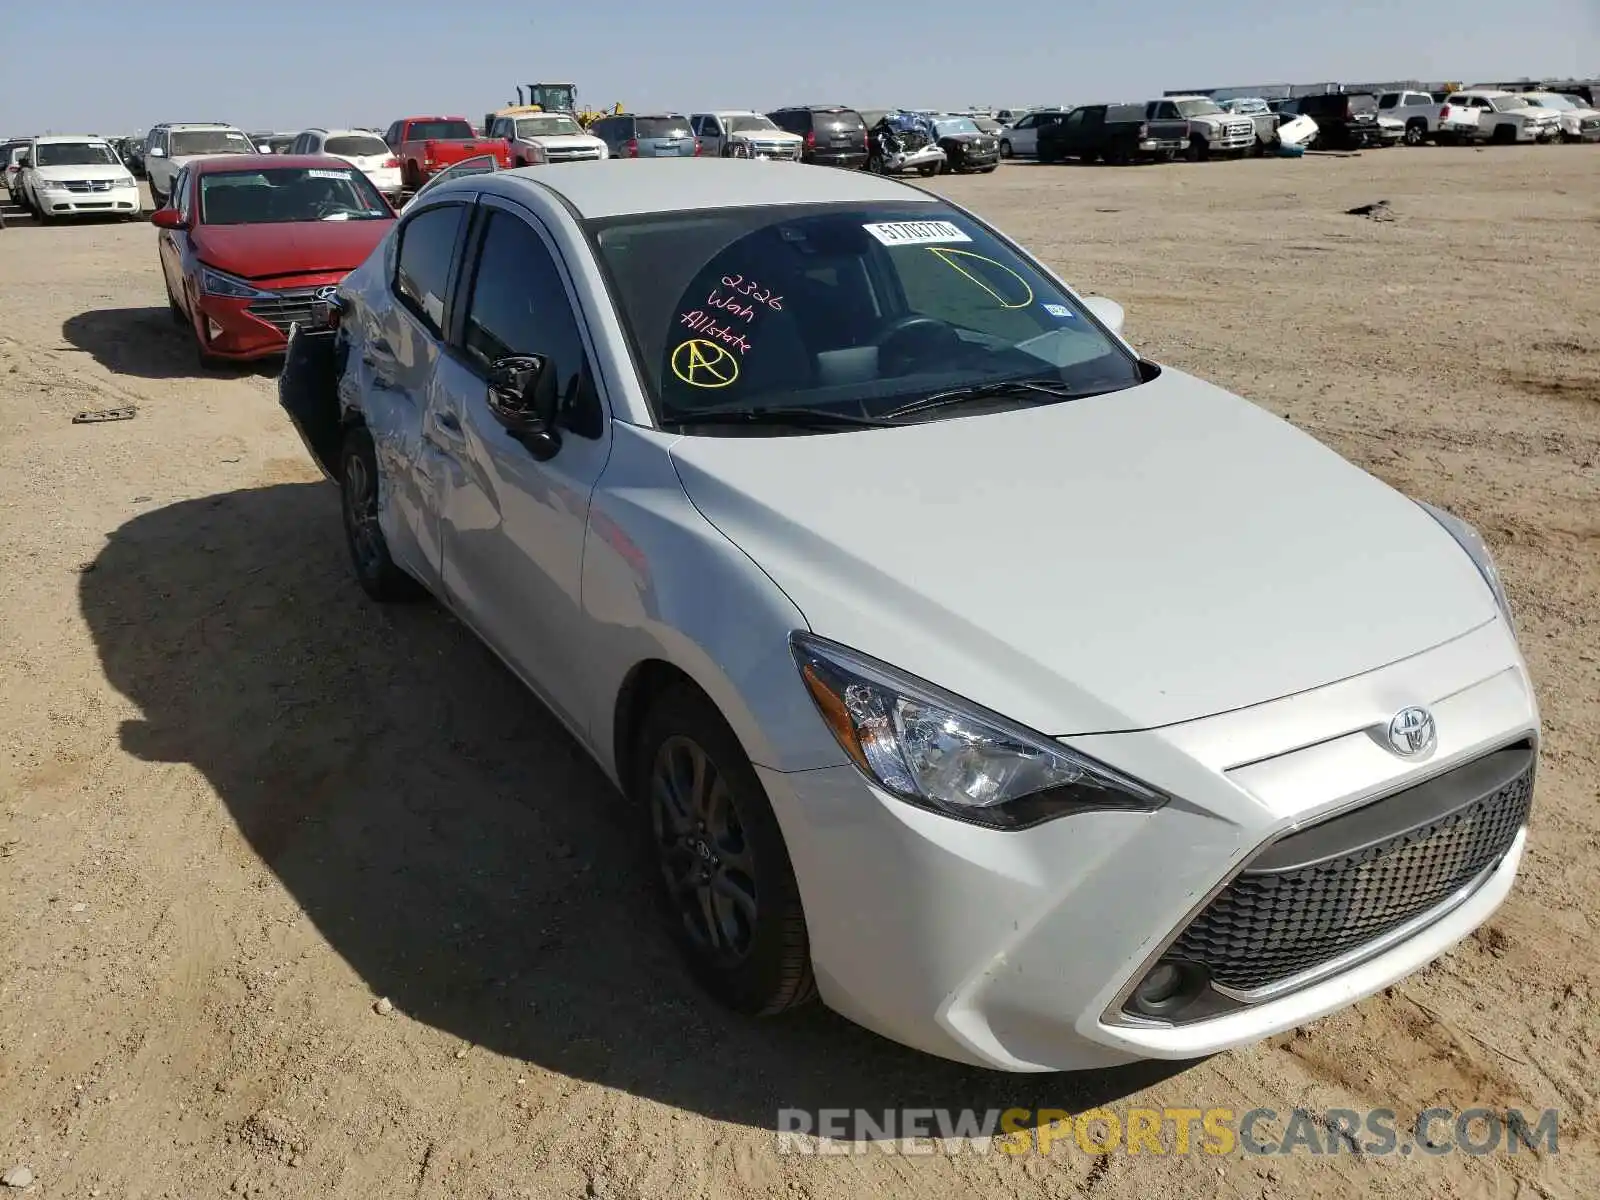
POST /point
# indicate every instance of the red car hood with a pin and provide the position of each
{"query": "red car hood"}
(297, 248)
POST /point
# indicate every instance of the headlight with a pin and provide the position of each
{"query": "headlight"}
(1477, 549)
(125, 181)
(215, 283)
(939, 752)
(52, 185)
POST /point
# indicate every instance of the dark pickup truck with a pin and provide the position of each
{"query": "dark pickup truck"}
(427, 145)
(1113, 133)
(1347, 121)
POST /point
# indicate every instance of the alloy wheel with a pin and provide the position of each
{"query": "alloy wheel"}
(706, 860)
(361, 515)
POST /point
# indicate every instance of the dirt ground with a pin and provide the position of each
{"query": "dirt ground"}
(239, 804)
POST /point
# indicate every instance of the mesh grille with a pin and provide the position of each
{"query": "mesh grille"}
(1263, 928)
(286, 308)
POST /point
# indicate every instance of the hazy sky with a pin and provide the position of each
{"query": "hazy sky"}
(113, 66)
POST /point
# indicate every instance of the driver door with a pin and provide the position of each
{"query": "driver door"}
(513, 526)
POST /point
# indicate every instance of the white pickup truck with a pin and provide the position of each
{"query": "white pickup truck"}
(1417, 112)
(546, 137)
(1486, 115)
(1211, 130)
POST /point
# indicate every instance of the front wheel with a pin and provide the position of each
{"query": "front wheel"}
(1005, 149)
(1198, 150)
(380, 577)
(928, 170)
(726, 881)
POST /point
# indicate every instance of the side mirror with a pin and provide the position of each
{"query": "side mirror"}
(157, 152)
(523, 398)
(168, 218)
(264, 147)
(1109, 312)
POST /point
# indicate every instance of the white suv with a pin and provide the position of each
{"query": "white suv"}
(169, 148)
(74, 175)
(361, 148)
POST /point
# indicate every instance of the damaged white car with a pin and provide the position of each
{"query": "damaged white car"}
(1038, 705)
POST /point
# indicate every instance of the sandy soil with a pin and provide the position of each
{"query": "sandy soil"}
(239, 804)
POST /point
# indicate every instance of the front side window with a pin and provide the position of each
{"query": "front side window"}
(858, 308)
(422, 271)
(518, 305)
(187, 142)
(182, 197)
(74, 154)
(280, 195)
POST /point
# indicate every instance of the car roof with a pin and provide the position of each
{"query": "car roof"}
(197, 125)
(622, 187)
(340, 132)
(212, 163)
(1488, 93)
(54, 138)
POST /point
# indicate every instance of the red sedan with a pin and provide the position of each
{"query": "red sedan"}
(246, 242)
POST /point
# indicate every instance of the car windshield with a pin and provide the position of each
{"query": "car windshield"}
(1550, 100)
(553, 125)
(986, 125)
(186, 142)
(1509, 103)
(950, 126)
(439, 131)
(280, 195)
(1198, 108)
(851, 309)
(749, 124)
(74, 154)
(356, 145)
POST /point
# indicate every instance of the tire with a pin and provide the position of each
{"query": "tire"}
(928, 170)
(988, 170)
(1416, 131)
(1504, 135)
(410, 179)
(174, 309)
(1005, 148)
(1199, 149)
(726, 884)
(156, 198)
(377, 573)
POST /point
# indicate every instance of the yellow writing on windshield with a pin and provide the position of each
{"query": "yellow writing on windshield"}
(978, 262)
(704, 364)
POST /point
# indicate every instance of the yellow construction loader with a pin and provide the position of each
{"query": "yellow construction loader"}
(553, 97)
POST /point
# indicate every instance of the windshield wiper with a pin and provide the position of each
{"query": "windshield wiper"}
(988, 391)
(798, 418)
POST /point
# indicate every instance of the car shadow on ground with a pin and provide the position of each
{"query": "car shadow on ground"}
(148, 343)
(446, 835)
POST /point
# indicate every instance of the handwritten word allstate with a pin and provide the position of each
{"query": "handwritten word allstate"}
(743, 287)
(706, 327)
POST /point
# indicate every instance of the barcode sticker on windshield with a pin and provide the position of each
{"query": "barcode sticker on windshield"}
(319, 173)
(915, 233)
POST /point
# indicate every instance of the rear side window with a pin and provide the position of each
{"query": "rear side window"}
(1125, 112)
(356, 145)
(661, 127)
(422, 273)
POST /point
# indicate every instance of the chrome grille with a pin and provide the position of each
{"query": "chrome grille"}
(571, 153)
(285, 308)
(82, 186)
(1270, 925)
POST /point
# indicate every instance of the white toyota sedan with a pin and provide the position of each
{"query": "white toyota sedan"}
(1034, 703)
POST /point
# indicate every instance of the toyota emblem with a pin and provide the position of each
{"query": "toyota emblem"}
(1412, 732)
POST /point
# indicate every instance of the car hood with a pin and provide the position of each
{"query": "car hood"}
(974, 141)
(566, 141)
(93, 171)
(764, 135)
(1113, 563)
(290, 248)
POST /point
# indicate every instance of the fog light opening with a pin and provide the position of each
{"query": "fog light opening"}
(1168, 986)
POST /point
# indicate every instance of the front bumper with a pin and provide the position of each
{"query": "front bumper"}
(975, 162)
(1015, 950)
(241, 330)
(90, 203)
(1162, 146)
